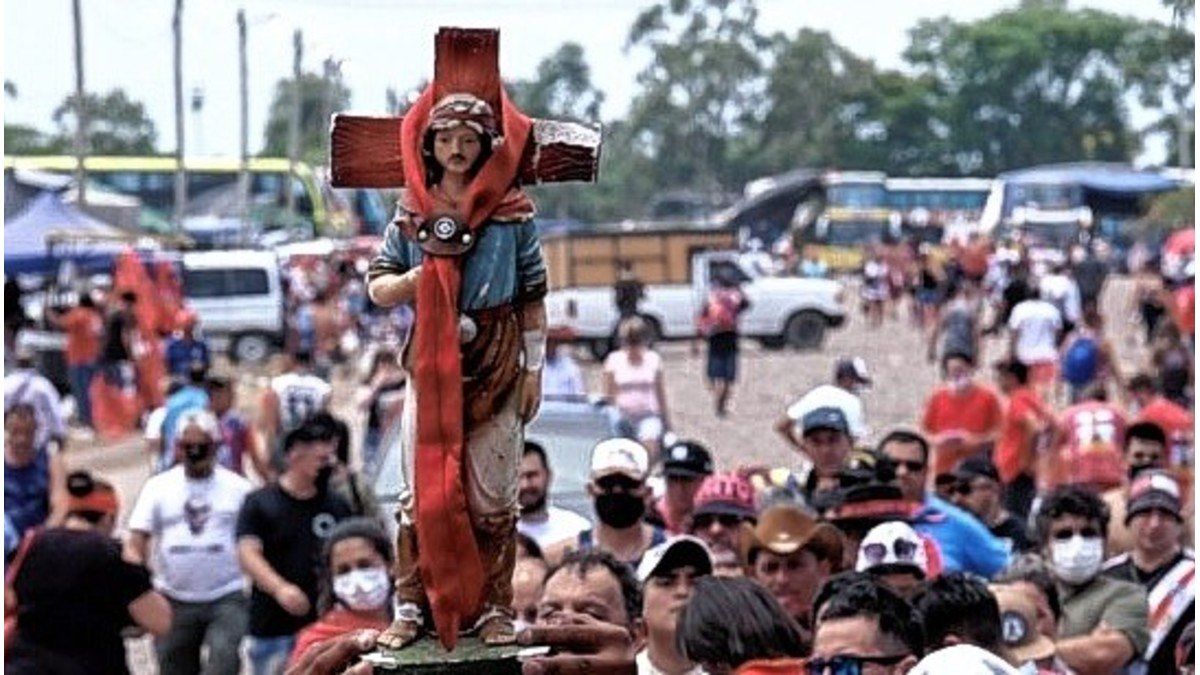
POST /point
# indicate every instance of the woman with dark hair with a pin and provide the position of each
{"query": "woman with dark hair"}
(733, 625)
(355, 584)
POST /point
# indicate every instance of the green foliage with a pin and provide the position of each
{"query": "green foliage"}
(22, 139)
(319, 97)
(116, 124)
(562, 89)
(1170, 211)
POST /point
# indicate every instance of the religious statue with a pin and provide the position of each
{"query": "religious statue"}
(463, 250)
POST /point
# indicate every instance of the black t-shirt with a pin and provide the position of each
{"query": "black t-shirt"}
(1163, 660)
(114, 337)
(73, 594)
(292, 532)
(1011, 529)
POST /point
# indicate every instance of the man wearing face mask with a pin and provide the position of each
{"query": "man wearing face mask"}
(280, 531)
(188, 513)
(618, 489)
(1159, 563)
(1104, 621)
(962, 418)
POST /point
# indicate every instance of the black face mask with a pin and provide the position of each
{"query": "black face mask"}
(1134, 470)
(323, 477)
(619, 510)
(194, 453)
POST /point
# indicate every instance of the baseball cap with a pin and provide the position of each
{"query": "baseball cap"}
(1018, 625)
(724, 494)
(962, 659)
(785, 529)
(1154, 490)
(975, 467)
(86, 493)
(674, 553)
(852, 367)
(825, 418)
(686, 459)
(620, 456)
(892, 547)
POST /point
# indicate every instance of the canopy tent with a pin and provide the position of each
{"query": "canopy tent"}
(48, 232)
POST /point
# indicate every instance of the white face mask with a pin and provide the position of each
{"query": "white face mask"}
(1077, 559)
(363, 590)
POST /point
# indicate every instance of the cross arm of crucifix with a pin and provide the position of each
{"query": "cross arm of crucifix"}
(365, 152)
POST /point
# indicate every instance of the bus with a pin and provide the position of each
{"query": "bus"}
(212, 192)
(854, 215)
(936, 210)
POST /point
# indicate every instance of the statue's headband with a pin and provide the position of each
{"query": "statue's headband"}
(458, 110)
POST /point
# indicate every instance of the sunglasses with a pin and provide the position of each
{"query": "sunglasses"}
(905, 550)
(913, 466)
(1085, 532)
(848, 664)
(201, 447)
(705, 520)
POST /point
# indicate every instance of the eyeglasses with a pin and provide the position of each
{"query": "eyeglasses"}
(705, 520)
(847, 664)
(876, 552)
(1088, 532)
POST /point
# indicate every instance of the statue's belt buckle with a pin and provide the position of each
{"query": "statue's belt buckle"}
(444, 235)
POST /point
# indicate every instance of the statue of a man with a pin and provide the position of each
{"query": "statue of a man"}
(500, 326)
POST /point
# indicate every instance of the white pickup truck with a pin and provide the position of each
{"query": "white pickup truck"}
(784, 311)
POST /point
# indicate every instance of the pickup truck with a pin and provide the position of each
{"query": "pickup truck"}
(784, 311)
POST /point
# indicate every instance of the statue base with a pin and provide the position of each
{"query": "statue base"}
(427, 657)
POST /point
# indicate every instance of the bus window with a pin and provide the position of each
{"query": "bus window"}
(863, 196)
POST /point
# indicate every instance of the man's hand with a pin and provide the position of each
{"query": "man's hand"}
(292, 600)
(590, 646)
(335, 654)
(531, 394)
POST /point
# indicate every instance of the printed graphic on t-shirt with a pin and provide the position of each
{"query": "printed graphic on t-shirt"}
(196, 511)
(322, 524)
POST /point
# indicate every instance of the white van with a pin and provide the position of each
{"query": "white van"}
(238, 296)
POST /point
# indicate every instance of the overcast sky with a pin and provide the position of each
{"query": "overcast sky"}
(127, 43)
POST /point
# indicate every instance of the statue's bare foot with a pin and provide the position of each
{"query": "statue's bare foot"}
(496, 627)
(400, 634)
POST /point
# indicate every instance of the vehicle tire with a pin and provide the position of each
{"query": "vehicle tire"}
(805, 330)
(773, 342)
(250, 348)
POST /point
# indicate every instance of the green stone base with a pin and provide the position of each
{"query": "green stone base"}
(427, 657)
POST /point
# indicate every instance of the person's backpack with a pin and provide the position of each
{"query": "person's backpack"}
(721, 314)
(1081, 361)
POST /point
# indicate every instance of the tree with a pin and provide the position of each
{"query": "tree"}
(700, 93)
(1036, 84)
(318, 96)
(117, 124)
(22, 139)
(562, 89)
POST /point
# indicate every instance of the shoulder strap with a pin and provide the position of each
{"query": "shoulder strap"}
(26, 542)
(1168, 600)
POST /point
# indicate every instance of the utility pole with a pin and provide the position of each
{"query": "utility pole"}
(180, 174)
(294, 125)
(244, 119)
(81, 119)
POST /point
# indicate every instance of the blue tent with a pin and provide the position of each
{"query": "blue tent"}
(1118, 180)
(28, 251)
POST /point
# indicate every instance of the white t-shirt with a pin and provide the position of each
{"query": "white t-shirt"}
(832, 396)
(645, 667)
(154, 423)
(559, 525)
(1062, 292)
(561, 376)
(193, 524)
(636, 392)
(300, 395)
(1037, 324)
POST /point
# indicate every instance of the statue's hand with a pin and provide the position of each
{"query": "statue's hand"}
(531, 394)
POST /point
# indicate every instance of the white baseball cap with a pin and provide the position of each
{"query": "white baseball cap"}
(620, 455)
(892, 546)
(681, 550)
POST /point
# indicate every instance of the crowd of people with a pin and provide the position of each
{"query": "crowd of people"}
(1037, 521)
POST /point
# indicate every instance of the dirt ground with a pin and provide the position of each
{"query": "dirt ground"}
(769, 381)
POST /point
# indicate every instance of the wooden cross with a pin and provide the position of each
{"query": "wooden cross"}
(366, 151)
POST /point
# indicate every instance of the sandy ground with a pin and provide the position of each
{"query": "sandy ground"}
(769, 381)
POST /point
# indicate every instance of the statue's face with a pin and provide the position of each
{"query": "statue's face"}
(457, 149)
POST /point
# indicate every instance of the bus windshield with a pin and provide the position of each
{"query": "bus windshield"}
(856, 195)
(854, 232)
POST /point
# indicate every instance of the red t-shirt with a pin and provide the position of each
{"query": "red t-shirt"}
(976, 411)
(84, 328)
(1014, 452)
(1092, 437)
(1172, 417)
(335, 622)
(1184, 311)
